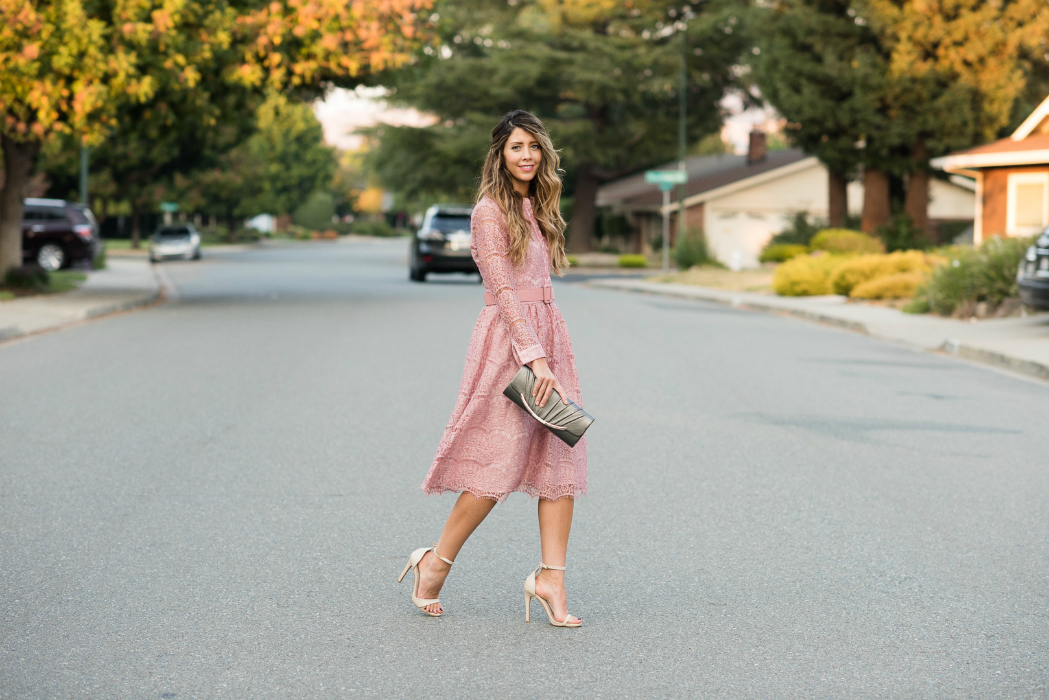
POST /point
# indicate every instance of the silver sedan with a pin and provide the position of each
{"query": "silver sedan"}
(181, 241)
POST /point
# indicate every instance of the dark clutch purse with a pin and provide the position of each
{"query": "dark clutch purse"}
(567, 422)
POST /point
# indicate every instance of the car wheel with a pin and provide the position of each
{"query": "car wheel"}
(196, 255)
(417, 275)
(51, 257)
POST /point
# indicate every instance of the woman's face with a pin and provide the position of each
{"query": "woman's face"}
(522, 154)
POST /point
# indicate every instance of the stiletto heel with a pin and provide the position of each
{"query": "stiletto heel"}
(413, 564)
(529, 588)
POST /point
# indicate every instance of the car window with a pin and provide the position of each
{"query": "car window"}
(55, 214)
(178, 231)
(33, 215)
(447, 224)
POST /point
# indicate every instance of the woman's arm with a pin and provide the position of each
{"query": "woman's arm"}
(492, 254)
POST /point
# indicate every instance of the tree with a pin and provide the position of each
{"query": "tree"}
(603, 76)
(282, 163)
(888, 84)
(68, 67)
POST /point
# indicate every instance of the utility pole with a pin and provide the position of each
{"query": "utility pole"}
(83, 174)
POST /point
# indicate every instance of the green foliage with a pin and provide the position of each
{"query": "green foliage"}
(633, 261)
(902, 234)
(601, 76)
(781, 252)
(857, 271)
(799, 232)
(6, 295)
(987, 274)
(316, 212)
(29, 278)
(691, 249)
(373, 228)
(99, 263)
(841, 240)
(807, 275)
(900, 285)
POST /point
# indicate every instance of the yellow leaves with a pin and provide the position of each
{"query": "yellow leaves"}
(31, 51)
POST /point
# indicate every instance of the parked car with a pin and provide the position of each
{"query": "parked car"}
(442, 244)
(1033, 275)
(175, 241)
(57, 233)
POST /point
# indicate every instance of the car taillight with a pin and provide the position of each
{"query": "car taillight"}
(84, 231)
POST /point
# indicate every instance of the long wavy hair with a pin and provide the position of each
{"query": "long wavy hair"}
(544, 190)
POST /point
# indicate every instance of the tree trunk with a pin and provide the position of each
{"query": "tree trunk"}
(136, 226)
(18, 164)
(837, 199)
(581, 232)
(876, 210)
(231, 228)
(916, 200)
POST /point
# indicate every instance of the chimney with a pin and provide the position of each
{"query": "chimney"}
(756, 151)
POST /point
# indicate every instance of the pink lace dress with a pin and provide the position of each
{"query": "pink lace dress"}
(491, 447)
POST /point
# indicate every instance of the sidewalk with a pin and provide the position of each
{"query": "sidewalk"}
(1017, 344)
(126, 283)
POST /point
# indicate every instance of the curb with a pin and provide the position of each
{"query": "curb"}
(13, 332)
(1027, 368)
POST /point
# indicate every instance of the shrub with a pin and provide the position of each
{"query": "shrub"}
(691, 249)
(807, 275)
(842, 240)
(987, 274)
(902, 234)
(868, 267)
(316, 212)
(798, 232)
(633, 261)
(373, 228)
(901, 285)
(99, 263)
(28, 277)
(782, 252)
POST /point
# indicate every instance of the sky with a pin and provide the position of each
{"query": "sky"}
(344, 111)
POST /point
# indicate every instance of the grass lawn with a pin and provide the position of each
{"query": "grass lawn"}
(759, 280)
(60, 281)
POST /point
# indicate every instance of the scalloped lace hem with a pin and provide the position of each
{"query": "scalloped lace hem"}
(531, 490)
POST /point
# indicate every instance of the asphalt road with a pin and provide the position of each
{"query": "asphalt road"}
(213, 498)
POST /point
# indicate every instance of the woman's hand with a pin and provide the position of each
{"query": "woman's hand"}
(545, 382)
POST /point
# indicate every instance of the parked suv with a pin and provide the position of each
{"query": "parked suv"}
(1033, 275)
(57, 233)
(442, 244)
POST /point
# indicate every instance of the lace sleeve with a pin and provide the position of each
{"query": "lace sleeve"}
(492, 253)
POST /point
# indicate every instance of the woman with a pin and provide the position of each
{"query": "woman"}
(491, 447)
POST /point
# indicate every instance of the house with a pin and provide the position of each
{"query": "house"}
(1012, 179)
(741, 201)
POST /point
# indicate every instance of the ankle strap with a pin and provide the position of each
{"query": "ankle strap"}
(547, 566)
(433, 549)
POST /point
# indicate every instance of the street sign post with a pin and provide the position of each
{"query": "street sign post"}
(667, 180)
(168, 208)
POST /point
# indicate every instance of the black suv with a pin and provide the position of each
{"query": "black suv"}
(57, 233)
(442, 244)
(1033, 275)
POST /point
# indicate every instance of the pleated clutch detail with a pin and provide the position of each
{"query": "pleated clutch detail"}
(567, 422)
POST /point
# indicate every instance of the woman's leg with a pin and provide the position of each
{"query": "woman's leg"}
(466, 515)
(555, 522)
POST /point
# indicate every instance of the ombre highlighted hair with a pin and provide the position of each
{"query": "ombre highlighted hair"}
(544, 190)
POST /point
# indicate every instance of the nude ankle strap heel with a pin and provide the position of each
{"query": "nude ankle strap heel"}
(413, 564)
(529, 589)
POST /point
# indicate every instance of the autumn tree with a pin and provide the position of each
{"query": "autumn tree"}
(69, 67)
(601, 74)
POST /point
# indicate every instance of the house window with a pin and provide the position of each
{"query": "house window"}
(1028, 203)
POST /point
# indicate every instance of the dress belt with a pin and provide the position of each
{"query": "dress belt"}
(544, 294)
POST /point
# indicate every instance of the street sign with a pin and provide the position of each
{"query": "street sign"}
(666, 179)
(169, 207)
